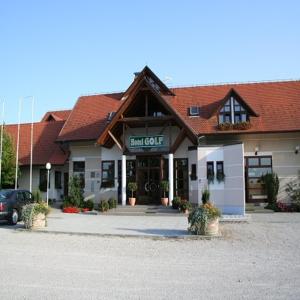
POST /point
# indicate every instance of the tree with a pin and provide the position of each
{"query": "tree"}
(75, 192)
(271, 182)
(8, 170)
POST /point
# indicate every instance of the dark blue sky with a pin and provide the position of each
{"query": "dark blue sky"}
(59, 50)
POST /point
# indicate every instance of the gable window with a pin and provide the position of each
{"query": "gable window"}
(108, 174)
(233, 112)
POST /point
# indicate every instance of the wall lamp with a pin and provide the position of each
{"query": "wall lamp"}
(256, 150)
(297, 148)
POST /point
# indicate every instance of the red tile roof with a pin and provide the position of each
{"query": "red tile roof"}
(277, 105)
(45, 149)
(58, 115)
(89, 117)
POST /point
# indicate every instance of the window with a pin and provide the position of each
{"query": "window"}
(181, 179)
(79, 171)
(43, 180)
(194, 111)
(210, 173)
(108, 174)
(256, 167)
(58, 180)
(27, 197)
(194, 172)
(220, 171)
(233, 112)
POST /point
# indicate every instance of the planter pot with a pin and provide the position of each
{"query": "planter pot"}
(164, 201)
(132, 201)
(186, 211)
(39, 221)
(212, 227)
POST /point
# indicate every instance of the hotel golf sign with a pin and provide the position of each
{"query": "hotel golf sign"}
(153, 141)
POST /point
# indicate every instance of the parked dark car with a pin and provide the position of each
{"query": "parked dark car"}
(11, 203)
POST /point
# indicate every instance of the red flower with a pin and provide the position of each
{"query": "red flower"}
(71, 210)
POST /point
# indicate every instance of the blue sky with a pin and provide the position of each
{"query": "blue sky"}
(59, 50)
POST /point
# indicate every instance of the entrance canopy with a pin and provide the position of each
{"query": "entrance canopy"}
(146, 122)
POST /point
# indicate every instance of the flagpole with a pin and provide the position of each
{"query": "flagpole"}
(1, 143)
(31, 143)
(18, 143)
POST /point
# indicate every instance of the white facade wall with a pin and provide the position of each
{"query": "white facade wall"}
(54, 193)
(281, 146)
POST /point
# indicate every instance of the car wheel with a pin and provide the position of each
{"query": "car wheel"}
(13, 220)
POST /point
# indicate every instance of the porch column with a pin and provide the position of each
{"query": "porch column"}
(171, 179)
(124, 180)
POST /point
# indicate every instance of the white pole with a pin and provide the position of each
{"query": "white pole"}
(124, 180)
(18, 143)
(48, 178)
(171, 178)
(31, 144)
(1, 143)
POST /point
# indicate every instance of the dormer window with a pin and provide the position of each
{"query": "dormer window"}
(194, 111)
(233, 112)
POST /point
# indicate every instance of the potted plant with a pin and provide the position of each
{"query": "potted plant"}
(132, 186)
(34, 215)
(112, 203)
(204, 220)
(176, 202)
(87, 205)
(185, 206)
(103, 206)
(165, 188)
(205, 195)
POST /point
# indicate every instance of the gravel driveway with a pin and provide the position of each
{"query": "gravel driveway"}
(259, 260)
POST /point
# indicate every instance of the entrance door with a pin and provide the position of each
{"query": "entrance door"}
(256, 167)
(148, 179)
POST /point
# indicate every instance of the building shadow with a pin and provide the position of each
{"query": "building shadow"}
(157, 232)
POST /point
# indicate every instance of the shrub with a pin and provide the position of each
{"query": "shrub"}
(165, 187)
(271, 182)
(132, 186)
(293, 190)
(205, 195)
(66, 202)
(112, 203)
(37, 197)
(176, 202)
(185, 205)
(200, 217)
(88, 204)
(31, 210)
(103, 206)
(75, 192)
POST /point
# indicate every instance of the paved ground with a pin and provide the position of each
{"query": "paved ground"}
(171, 225)
(259, 260)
